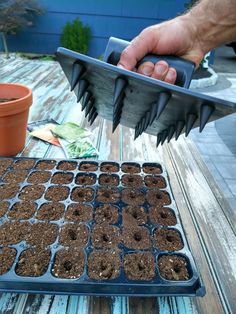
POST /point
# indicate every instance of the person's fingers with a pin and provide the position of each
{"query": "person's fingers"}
(146, 68)
(171, 76)
(160, 70)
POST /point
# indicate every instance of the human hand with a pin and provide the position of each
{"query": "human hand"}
(175, 37)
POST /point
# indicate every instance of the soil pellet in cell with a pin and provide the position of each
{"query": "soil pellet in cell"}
(24, 164)
(85, 179)
(105, 236)
(8, 191)
(13, 232)
(50, 211)
(38, 177)
(132, 180)
(155, 182)
(22, 210)
(137, 238)
(134, 215)
(75, 235)
(5, 163)
(158, 198)
(104, 265)
(69, 264)
(88, 166)
(79, 213)
(163, 216)
(16, 176)
(130, 168)
(42, 233)
(109, 167)
(82, 195)
(173, 267)
(33, 262)
(139, 266)
(7, 257)
(133, 197)
(152, 168)
(168, 240)
(106, 213)
(3, 208)
(46, 164)
(62, 178)
(57, 193)
(31, 192)
(109, 180)
(108, 195)
(67, 165)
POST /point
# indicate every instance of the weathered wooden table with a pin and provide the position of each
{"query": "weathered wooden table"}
(206, 216)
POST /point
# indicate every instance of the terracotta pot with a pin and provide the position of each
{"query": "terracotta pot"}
(13, 117)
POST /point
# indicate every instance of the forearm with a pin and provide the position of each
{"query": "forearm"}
(214, 22)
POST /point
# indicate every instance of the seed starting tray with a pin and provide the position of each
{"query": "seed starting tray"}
(124, 256)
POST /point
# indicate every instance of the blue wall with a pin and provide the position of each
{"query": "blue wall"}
(118, 18)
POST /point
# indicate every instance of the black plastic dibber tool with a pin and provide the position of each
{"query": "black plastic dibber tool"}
(137, 101)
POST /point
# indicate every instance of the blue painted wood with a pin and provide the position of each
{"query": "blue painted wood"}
(120, 18)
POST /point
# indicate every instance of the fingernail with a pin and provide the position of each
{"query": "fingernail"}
(120, 66)
(147, 70)
(170, 76)
(160, 68)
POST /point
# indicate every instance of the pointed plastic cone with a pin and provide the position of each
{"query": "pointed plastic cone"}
(205, 113)
(171, 131)
(86, 99)
(147, 119)
(83, 85)
(115, 125)
(77, 71)
(159, 137)
(191, 118)
(179, 128)
(142, 125)
(164, 136)
(159, 106)
(93, 118)
(91, 113)
(118, 106)
(120, 85)
(89, 107)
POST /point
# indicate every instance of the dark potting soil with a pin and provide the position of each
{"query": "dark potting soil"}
(85, 179)
(2, 100)
(88, 166)
(133, 197)
(136, 237)
(62, 178)
(135, 181)
(173, 267)
(107, 195)
(130, 168)
(38, 177)
(75, 235)
(7, 257)
(46, 164)
(33, 262)
(69, 264)
(82, 194)
(158, 198)
(162, 216)
(105, 236)
(168, 240)
(133, 215)
(79, 213)
(24, 164)
(57, 193)
(22, 210)
(104, 265)
(152, 168)
(50, 211)
(109, 180)
(106, 213)
(3, 208)
(139, 266)
(155, 182)
(16, 176)
(42, 233)
(31, 192)
(13, 232)
(109, 167)
(8, 191)
(5, 163)
(67, 165)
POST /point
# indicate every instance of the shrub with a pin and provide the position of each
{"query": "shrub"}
(76, 36)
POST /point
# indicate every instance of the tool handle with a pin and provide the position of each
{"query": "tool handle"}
(183, 67)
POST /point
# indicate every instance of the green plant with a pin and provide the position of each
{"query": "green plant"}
(76, 36)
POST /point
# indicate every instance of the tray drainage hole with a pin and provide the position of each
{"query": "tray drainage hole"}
(105, 238)
(137, 236)
(106, 194)
(158, 196)
(132, 194)
(131, 180)
(107, 180)
(170, 238)
(135, 214)
(67, 265)
(80, 194)
(141, 266)
(76, 212)
(72, 234)
(154, 181)
(83, 180)
(163, 215)
(177, 268)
